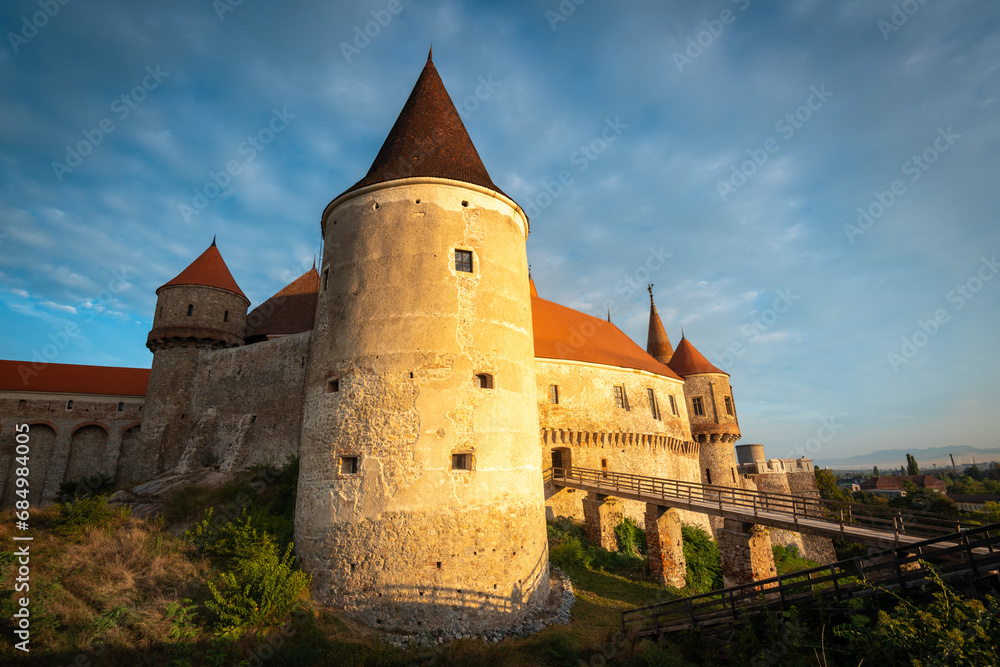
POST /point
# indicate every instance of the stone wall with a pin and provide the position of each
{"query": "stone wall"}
(246, 404)
(66, 443)
(594, 433)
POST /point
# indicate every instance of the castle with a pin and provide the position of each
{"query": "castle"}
(425, 386)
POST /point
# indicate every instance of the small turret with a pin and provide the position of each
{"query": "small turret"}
(712, 412)
(202, 308)
(657, 342)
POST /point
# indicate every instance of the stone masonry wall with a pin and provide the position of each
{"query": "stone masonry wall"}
(588, 425)
(246, 404)
(66, 443)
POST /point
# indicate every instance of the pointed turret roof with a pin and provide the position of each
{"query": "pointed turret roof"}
(428, 139)
(531, 286)
(210, 270)
(657, 342)
(687, 360)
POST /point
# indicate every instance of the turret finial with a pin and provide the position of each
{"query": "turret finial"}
(430, 54)
(213, 240)
(650, 288)
(609, 315)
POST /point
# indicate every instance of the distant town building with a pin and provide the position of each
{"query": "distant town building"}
(894, 485)
(969, 502)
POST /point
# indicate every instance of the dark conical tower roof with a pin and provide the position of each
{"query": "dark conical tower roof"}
(428, 139)
(657, 342)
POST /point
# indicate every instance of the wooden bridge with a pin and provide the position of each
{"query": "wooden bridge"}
(873, 525)
(967, 560)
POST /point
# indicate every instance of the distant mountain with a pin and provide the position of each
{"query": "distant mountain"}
(890, 459)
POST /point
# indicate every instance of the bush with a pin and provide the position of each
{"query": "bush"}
(261, 587)
(85, 487)
(631, 538)
(787, 559)
(951, 629)
(91, 512)
(704, 565)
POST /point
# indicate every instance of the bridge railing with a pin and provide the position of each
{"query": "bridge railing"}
(887, 520)
(968, 555)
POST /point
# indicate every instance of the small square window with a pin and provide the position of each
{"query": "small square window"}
(729, 405)
(621, 400)
(69, 405)
(697, 406)
(654, 405)
(348, 465)
(332, 386)
(673, 405)
(554, 394)
(463, 260)
(483, 381)
(461, 461)
(121, 407)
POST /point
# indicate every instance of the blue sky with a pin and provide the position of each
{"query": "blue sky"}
(739, 138)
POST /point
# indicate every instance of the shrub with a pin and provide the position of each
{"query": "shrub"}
(260, 587)
(704, 565)
(631, 538)
(85, 487)
(951, 629)
(91, 512)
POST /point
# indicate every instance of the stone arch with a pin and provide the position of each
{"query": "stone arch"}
(130, 470)
(42, 438)
(86, 450)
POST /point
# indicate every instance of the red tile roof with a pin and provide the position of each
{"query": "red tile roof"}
(290, 311)
(657, 342)
(564, 333)
(687, 360)
(896, 482)
(72, 379)
(428, 139)
(209, 269)
(531, 287)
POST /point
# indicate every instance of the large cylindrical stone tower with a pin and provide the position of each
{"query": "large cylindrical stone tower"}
(202, 308)
(420, 502)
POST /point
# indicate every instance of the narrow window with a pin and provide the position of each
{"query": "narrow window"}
(654, 406)
(621, 400)
(348, 465)
(729, 406)
(225, 316)
(332, 386)
(190, 309)
(673, 405)
(708, 475)
(121, 407)
(462, 461)
(463, 260)
(604, 467)
(697, 407)
(326, 278)
(733, 470)
(554, 394)
(69, 405)
(484, 381)
(22, 404)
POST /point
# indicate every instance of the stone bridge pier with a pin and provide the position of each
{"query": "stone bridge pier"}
(745, 549)
(601, 514)
(665, 546)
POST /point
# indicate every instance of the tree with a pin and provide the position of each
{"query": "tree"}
(875, 471)
(826, 482)
(975, 473)
(911, 465)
